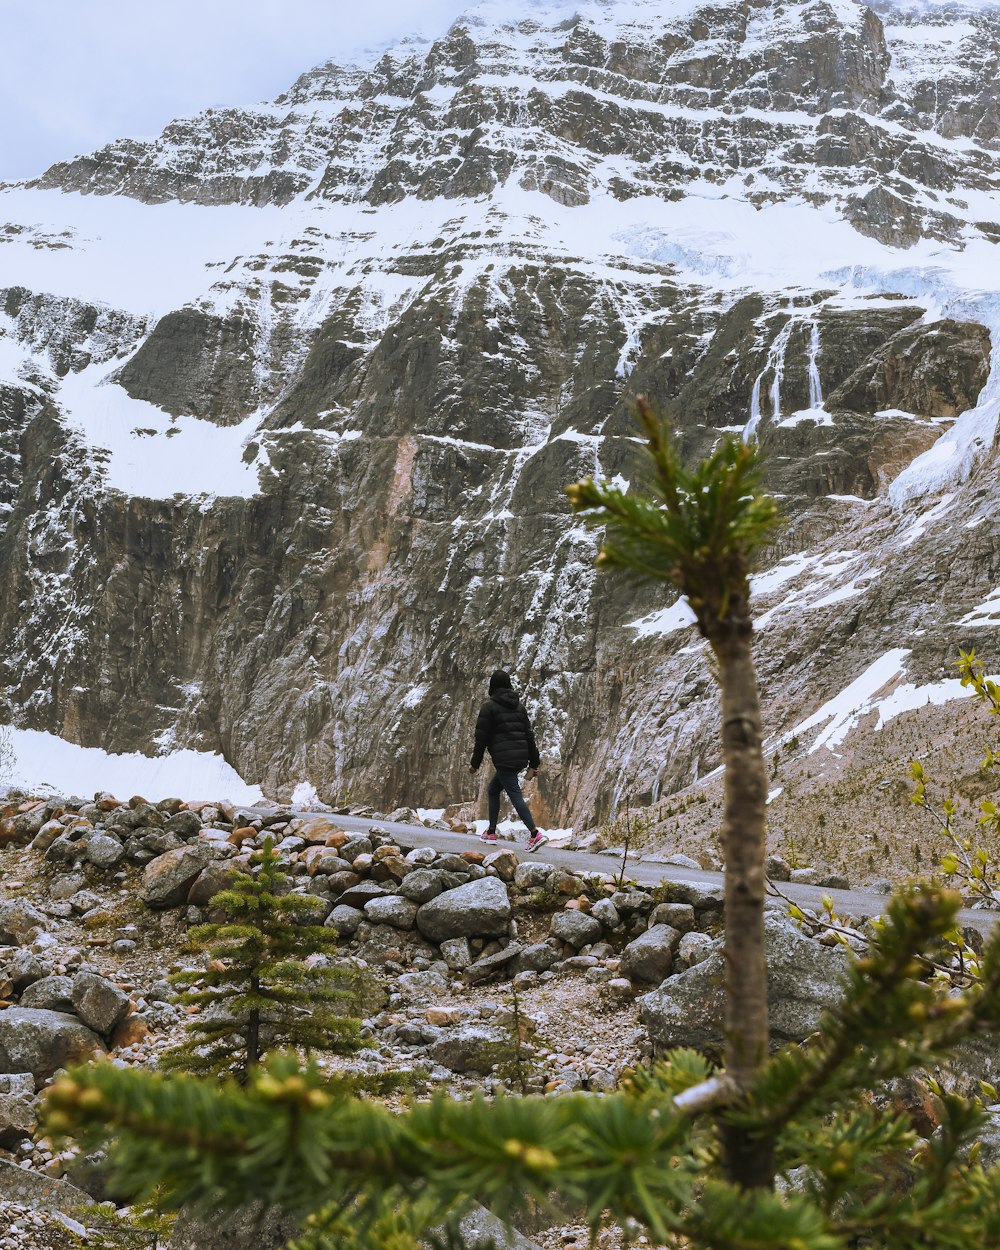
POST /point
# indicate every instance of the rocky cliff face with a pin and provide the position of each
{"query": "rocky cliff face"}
(288, 396)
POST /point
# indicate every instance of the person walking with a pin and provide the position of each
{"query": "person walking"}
(503, 729)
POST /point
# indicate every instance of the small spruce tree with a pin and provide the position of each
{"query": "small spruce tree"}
(255, 984)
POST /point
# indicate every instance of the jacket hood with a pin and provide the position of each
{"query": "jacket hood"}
(505, 697)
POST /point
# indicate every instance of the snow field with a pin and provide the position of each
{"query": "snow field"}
(44, 763)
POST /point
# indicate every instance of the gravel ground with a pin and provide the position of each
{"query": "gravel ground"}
(24, 1229)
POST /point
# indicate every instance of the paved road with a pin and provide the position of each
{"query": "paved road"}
(847, 902)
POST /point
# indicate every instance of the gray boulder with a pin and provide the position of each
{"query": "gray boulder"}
(538, 957)
(40, 1193)
(358, 895)
(421, 885)
(804, 979)
(104, 852)
(232, 1230)
(471, 1048)
(49, 994)
(184, 824)
(701, 896)
(345, 919)
(99, 1004)
(456, 953)
(679, 916)
(495, 965)
(25, 968)
(19, 922)
(213, 879)
(531, 873)
(391, 909)
(167, 879)
(17, 1119)
(693, 948)
(416, 985)
(477, 909)
(575, 927)
(40, 1042)
(651, 956)
(607, 913)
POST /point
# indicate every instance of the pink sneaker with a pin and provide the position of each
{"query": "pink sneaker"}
(536, 840)
(488, 835)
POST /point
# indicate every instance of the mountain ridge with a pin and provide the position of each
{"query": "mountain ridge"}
(315, 471)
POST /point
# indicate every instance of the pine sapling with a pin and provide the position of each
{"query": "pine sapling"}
(265, 981)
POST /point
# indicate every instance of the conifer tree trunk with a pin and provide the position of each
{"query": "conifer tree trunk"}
(253, 1031)
(749, 1161)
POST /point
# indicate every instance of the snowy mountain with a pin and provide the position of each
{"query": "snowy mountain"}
(288, 395)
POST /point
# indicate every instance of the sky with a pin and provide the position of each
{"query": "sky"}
(78, 73)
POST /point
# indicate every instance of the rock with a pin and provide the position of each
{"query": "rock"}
(531, 874)
(607, 913)
(804, 979)
(84, 901)
(245, 833)
(777, 868)
(482, 1230)
(602, 1080)
(40, 1042)
(17, 1120)
(682, 861)
(456, 953)
(804, 876)
(47, 834)
(245, 1229)
(39, 1192)
(19, 1084)
(702, 897)
(99, 1004)
(355, 846)
(184, 824)
(575, 927)
(213, 879)
(345, 919)
(421, 885)
(51, 993)
(632, 902)
(128, 1032)
(27, 825)
(317, 829)
(693, 948)
(167, 879)
(338, 882)
(401, 913)
(25, 968)
(538, 957)
(19, 923)
(424, 855)
(360, 894)
(471, 1048)
(505, 862)
(679, 916)
(650, 957)
(390, 868)
(491, 966)
(104, 852)
(417, 985)
(479, 909)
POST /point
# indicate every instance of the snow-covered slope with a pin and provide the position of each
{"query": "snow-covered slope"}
(289, 394)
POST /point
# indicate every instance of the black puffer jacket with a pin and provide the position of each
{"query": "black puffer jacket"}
(504, 730)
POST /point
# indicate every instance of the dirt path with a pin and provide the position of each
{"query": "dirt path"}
(857, 903)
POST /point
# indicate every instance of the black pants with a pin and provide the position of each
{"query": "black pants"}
(506, 779)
